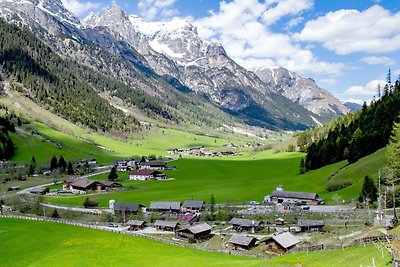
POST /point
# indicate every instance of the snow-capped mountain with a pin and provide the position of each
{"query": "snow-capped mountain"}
(303, 91)
(170, 52)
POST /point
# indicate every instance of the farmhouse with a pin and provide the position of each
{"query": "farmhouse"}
(281, 243)
(280, 221)
(243, 242)
(195, 233)
(90, 162)
(146, 174)
(152, 165)
(172, 151)
(79, 185)
(135, 225)
(127, 208)
(246, 225)
(166, 225)
(310, 225)
(193, 205)
(280, 196)
(39, 191)
(165, 206)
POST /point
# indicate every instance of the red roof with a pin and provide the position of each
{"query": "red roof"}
(142, 172)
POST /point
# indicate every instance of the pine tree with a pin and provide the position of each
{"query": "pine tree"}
(70, 169)
(393, 155)
(212, 206)
(62, 165)
(369, 191)
(53, 163)
(112, 176)
(379, 91)
(389, 77)
(302, 168)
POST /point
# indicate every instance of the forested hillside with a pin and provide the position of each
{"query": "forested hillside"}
(359, 135)
(7, 148)
(55, 83)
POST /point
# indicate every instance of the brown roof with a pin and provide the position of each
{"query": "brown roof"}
(162, 223)
(82, 183)
(241, 240)
(244, 222)
(108, 183)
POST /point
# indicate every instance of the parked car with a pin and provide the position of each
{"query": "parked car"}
(113, 225)
(306, 208)
(254, 203)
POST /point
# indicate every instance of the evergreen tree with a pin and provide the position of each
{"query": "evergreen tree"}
(389, 77)
(33, 162)
(70, 169)
(113, 175)
(31, 170)
(379, 90)
(393, 155)
(302, 168)
(369, 191)
(212, 206)
(55, 214)
(53, 163)
(62, 164)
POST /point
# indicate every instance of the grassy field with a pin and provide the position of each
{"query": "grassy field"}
(30, 243)
(237, 181)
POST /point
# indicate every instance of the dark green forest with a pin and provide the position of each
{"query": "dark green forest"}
(7, 148)
(57, 84)
(362, 135)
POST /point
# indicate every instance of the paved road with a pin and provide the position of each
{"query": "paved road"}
(84, 210)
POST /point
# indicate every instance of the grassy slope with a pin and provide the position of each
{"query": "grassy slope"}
(29, 243)
(355, 173)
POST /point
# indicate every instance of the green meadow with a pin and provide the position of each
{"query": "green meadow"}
(51, 244)
(235, 181)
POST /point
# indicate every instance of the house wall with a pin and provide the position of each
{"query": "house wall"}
(274, 247)
(293, 200)
(140, 177)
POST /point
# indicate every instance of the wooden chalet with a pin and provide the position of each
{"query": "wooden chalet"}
(240, 224)
(280, 196)
(281, 243)
(79, 185)
(163, 206)
(146, 174)
(195, 233)
(193, 205)
(311, 225)
(280, 221)
(243, 242)
(127, 208)
(135, 225)
(166, 225)
(105, 185)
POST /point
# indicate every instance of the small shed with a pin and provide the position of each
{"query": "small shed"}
(243, 242)
(135, 225)
(281, 243)
(311, 225)
(280, 221)
(166, 225)
(195, 233)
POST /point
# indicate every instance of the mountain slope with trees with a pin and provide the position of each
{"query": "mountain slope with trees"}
(360, 136)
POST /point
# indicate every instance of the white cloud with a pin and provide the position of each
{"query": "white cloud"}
(79, 8)
(378, 60)
(242, 27)
(374, 30)
(278, 9)
(293, 22)
(329, 81)
(356, 100)
(369, 89)
(151, 9)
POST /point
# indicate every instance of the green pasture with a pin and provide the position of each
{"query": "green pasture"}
(31, 243)
(236, 181)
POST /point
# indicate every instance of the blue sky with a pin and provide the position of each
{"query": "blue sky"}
(347, 46)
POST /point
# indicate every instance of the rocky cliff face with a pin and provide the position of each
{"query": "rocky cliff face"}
(303, 91)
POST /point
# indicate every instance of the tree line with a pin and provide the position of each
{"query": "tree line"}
(363, 135)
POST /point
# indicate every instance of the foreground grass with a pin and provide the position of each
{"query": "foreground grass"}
(30, 243)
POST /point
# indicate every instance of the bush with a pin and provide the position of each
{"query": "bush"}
(88, 203)
(337, 185)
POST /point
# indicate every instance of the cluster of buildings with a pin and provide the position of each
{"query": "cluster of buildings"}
(290, 198)
(200, 151)
(143, 169)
